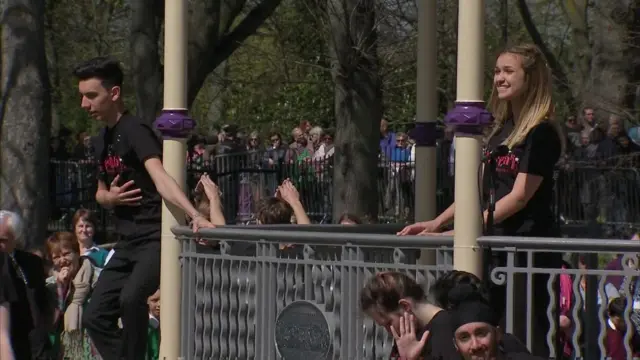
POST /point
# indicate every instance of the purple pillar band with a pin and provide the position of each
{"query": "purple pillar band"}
(175, 124)
(425, 134)
(469, 118)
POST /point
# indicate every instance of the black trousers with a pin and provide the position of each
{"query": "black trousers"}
(130, 277)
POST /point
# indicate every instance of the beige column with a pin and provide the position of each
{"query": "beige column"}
(427, 113)
(175, 125)
(469, 118)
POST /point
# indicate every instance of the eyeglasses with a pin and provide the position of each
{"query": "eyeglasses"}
(275, 139)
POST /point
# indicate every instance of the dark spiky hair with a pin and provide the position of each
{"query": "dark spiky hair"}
(105, 68)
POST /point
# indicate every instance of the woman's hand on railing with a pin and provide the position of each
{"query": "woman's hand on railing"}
(424, 226)
(430, 233)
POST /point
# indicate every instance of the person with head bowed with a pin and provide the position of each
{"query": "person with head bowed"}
(420, 329)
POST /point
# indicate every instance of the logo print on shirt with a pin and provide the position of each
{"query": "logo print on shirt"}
(509, 163)
(113, 164)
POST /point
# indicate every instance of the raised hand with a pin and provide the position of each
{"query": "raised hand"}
(210, 188)
(62, 276)
(409, 347)
(288, 192)
(124, 195)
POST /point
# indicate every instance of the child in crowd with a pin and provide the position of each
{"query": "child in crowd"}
(208, 202)
(153, 342)
(282, 208)
(617, 330)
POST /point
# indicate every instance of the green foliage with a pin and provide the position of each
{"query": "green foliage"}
(76, 31)
(282, 75)
(278, 77)
(282, 106)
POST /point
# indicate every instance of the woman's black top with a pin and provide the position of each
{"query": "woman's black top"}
(536, 155)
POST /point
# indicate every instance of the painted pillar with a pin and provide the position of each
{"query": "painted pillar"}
(175, 126)
(469, 118)
(425, 133)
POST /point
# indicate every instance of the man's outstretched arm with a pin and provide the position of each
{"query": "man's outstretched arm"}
(169, 188)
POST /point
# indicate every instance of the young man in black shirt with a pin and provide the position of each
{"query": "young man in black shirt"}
(132, 182)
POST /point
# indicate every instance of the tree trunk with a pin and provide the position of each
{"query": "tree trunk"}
(217, 110)
(558, 72)
(615, 53)
(213, 38)
(358, 109)
(54, 64)
(25, 115)
(145, 59)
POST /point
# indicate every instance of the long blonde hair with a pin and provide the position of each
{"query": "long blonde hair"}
(538, 104)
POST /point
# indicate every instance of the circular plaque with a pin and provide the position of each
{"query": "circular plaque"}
(303, 332)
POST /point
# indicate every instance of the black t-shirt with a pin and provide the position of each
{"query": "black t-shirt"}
(518, 356)
(8, 295)
(537, 155)
(7, 291)
(122, 150)
(512, 345)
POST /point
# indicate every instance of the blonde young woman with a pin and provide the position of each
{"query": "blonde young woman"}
(522, 107)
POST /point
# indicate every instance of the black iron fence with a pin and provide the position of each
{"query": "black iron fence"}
(587, 194)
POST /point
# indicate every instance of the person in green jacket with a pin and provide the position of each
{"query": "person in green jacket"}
(153, 342)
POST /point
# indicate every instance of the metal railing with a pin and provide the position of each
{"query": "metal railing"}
(234, 297)
(250, 298)
(585, 193)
